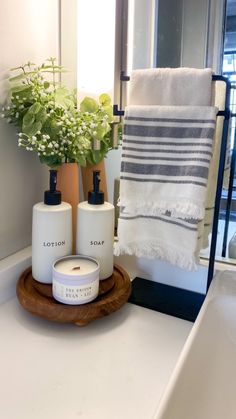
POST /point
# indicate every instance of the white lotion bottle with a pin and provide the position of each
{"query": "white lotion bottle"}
(95, 229)
(51, 232)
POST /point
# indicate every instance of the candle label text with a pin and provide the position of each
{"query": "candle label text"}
(75, 293)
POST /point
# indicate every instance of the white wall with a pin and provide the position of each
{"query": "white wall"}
(28, 31)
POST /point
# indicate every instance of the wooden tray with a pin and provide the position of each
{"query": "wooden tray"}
(33, 300)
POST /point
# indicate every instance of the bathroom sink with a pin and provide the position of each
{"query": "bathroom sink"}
(203, 384)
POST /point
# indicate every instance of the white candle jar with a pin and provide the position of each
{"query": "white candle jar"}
(75, 279)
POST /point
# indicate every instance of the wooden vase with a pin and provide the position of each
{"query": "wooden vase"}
(87, 179)
(68, 184)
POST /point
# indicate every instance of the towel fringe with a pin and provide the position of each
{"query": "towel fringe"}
(151, 250)
(184, 210)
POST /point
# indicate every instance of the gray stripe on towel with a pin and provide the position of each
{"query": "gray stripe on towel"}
(179, 144)
(186, 182)
(170, 221)
(131, 156)
(164, 170)
(140, 118)
(175, 132)
(154, 150)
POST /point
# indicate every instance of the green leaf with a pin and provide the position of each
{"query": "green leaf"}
(88, 104)
(46, 85)
(58, 67)
(109, 111)
(32, 129)
(104, 99)
(102, 131)
(50, 127)
(53, 71)
(63, 98)
(41, 115)
(20, 88)
(51, 161)
(81, 160)
(35, 108)
(97, 156)
(28, 119)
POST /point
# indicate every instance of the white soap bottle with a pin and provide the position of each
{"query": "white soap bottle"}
(95, 228)
(51, 232)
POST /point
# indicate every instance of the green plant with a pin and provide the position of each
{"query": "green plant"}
(50, 124)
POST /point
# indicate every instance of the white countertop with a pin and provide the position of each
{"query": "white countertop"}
(115, 368)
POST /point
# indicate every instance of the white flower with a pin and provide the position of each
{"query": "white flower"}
(34, 138)
(50, 145)
(3, 115)
(52, 153)
(3, 109)
(94, 133)
(8, 108)
(42, 147)
(38, 132)
(17, 115)
(17, 97)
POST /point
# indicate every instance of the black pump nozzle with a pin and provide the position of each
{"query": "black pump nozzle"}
(96, 197)
(52, 197)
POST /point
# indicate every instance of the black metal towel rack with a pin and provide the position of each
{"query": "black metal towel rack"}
(226, 114)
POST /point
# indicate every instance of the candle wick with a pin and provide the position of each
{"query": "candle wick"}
(76, 268)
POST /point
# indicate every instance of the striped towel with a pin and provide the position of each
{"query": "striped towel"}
(166, 153)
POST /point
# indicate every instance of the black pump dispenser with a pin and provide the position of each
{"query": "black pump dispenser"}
(52, 197)
(96, 197)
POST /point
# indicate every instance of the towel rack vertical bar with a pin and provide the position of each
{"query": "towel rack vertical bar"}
(230, 193)
(226, 114)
